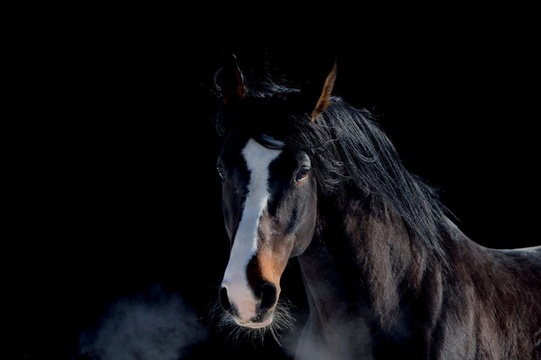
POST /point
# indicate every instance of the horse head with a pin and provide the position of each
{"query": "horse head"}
(268, 191)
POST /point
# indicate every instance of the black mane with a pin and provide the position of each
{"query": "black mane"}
(347, 148)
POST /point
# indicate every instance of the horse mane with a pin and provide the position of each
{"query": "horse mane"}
(372, 165)
(347, 148)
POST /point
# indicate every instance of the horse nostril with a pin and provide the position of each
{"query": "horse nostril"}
(224, 299)
(268, 296)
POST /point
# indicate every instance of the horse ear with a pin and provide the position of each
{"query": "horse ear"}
(230, 81)
(325, 96)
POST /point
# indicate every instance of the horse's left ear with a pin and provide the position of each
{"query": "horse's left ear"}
(230, 81)
(325, 97)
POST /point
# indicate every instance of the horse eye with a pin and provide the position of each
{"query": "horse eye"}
(221, 172)
(302, 173)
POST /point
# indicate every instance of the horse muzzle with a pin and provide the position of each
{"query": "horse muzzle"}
(249, 308)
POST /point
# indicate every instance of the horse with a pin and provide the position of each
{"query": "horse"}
(386, 270)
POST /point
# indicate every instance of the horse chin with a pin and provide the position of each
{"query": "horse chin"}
(255, 325)
(266, 321)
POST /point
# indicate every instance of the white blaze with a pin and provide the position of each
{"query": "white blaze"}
(258, 159)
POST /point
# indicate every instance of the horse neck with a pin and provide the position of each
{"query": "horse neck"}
(362, 261)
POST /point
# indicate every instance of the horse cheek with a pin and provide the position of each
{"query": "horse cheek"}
(304, 231)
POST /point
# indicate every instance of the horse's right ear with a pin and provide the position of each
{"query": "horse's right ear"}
(325, 94)
(229, 80)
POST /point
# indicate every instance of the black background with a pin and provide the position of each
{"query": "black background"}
(109, 148)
